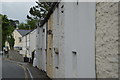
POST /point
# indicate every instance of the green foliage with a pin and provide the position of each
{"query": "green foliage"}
(39, 11)
(32, 23)
(23, 26)
(11, 41)
(8, 27)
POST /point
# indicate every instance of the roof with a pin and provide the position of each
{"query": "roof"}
(30, 32)
(55, 4)
(23, 32)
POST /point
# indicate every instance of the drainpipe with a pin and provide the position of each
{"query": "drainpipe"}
(29, 47)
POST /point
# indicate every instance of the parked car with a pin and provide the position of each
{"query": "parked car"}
(17, 48)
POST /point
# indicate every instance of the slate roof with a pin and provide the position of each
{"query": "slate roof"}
(23, 32)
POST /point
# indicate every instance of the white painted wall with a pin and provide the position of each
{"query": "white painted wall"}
(41, 47)
(74, 30)
(29, 41)
(37, 47)
(32, 41)
(16, 36)
(44, 48)
(23, 51)
(79, 37)
(58, 43)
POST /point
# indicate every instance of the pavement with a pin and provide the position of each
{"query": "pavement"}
(30, 72)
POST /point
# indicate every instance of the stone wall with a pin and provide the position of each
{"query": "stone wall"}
(14, 55)
(107, 39)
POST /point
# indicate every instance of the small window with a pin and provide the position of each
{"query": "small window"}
(43, 30)
(62, 9)
(20, 39)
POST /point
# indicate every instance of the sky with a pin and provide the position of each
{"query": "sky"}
(16, 9)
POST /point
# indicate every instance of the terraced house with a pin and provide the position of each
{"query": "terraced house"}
(79, 40)
(18, 34)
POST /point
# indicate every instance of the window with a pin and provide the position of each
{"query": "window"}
(20, 39)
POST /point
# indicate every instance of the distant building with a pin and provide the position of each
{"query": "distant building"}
(28, 43)
(18, 34)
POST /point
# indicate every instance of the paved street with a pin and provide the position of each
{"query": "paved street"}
(12, 70)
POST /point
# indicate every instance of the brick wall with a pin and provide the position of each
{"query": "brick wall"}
(107, 39)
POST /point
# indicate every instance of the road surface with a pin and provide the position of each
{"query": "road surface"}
(12, 70)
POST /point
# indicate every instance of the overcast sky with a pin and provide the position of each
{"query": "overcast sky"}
(16, 9)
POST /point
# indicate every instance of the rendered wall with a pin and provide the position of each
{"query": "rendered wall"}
(16, 36)
(32, 41)
(41, 47)
(58, 43)
(79, 40)
(107, 40)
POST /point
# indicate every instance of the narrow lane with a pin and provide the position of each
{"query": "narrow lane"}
(12, 70)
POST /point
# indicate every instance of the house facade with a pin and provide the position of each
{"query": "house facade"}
(25, 45)
(79, 40)
(18, 38)
(17, 35)
(28, 44)
(69, 55)
(41, 47)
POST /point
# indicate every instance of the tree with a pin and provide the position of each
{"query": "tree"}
(11, 41)
(8, 27)
(39, 11)
(22, 26)
(31, 24)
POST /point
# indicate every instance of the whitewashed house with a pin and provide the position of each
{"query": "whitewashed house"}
(70, 41)
(29, 43)
(74, 40)
(32, 41)
(26, 45)
(41, 47)
(18, 34)
(79, 40)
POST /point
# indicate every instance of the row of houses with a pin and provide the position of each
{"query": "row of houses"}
(76, 40)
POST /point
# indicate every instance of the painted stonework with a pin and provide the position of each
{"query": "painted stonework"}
(107, 40)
